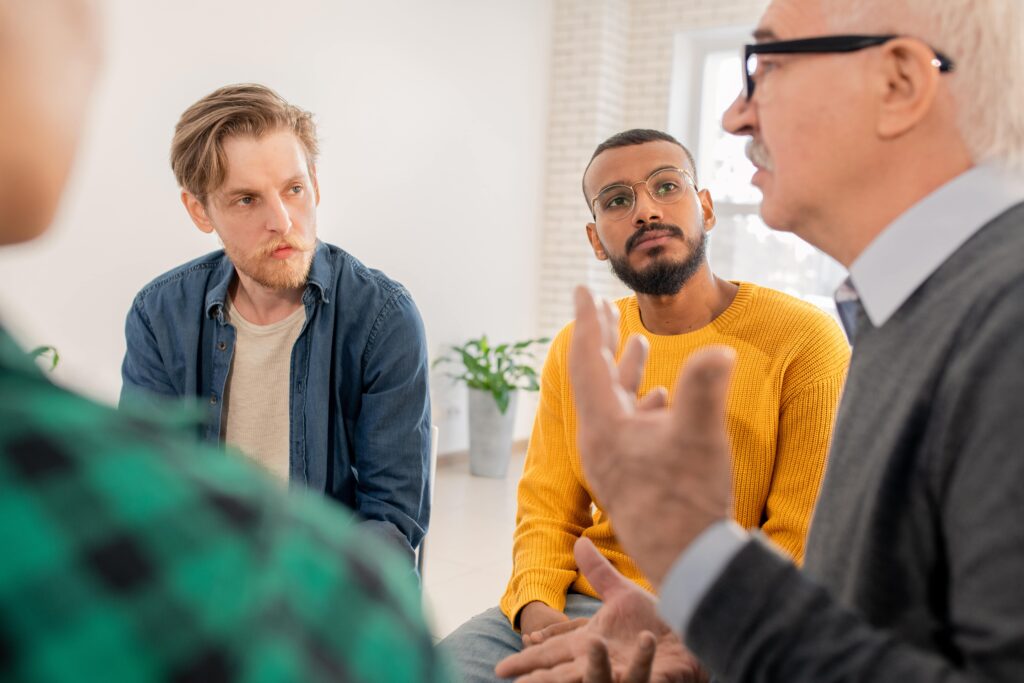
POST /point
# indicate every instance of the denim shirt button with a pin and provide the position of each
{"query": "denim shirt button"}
(213, 399)
(221, 345)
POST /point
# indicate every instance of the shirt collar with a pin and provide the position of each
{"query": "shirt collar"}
(920, 240)
(321, 274)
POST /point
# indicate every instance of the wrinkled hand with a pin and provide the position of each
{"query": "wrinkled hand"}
(662, 473)
(624, 642)
(536, 617)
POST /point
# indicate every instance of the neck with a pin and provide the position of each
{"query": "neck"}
(702, 299)
(262, 305)
(895, 187)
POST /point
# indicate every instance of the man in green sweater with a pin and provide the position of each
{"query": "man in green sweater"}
(127, 553)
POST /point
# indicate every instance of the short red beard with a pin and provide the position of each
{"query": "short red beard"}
(289, 273)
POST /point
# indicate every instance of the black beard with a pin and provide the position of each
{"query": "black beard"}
(661, 278)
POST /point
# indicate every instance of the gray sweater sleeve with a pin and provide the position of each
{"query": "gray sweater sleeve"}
(764, 620)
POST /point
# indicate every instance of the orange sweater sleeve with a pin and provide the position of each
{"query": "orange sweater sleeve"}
(554, 506)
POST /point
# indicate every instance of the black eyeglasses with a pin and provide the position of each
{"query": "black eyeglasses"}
(820, 45)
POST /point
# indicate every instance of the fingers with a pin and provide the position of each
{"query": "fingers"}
(589, 365)
(609, 325)
(599, 667)
(701, 391)
(599, 571)
(655, 399)
(569, 672)
(631, 363)
(554, 630)
(546, 655)
(643, 659)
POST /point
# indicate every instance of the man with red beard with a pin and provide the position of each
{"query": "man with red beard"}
(308, 362)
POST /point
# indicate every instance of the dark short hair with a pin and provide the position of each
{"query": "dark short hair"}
(637, 136)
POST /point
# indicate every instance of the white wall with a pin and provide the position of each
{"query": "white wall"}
(446, 99)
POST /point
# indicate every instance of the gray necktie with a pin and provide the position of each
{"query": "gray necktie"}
(850, 310)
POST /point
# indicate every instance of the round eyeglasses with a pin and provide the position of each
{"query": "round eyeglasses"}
(666, 186)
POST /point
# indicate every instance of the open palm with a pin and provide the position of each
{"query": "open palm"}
(624, 642)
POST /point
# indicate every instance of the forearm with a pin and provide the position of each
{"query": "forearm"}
(392, 432)
(393, 535)
(543, 569)
(763, 620)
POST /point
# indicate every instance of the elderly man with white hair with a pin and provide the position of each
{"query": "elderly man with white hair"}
(889, 135)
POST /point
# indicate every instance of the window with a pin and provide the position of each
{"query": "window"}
(742, 247)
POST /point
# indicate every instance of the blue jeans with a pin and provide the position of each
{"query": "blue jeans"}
(477, 646)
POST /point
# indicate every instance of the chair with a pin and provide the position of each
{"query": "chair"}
(421, 551)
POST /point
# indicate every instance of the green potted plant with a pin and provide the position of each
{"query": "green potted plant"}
(49, 352)
(493, 374)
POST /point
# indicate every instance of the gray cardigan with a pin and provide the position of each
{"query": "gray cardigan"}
(914, 568)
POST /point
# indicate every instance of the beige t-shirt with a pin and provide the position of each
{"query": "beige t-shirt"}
(255, 415)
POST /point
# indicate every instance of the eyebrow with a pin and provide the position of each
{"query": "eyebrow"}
(765, 35)
(239, 191)
(666, 167)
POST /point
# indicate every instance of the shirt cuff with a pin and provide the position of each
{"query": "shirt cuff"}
(696, 569)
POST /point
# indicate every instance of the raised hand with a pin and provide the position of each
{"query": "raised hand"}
(662, 473)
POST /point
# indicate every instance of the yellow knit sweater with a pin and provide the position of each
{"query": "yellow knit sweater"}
(791, 363)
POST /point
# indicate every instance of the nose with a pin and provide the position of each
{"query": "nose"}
(278, 218)
(646, 210)
(741, 117)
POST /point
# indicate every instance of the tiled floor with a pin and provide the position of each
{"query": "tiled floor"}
(469, 548)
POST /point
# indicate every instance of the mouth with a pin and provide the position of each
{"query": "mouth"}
(653, 238)
(283, 252)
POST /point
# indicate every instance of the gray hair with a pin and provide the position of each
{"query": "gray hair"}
(984, 38)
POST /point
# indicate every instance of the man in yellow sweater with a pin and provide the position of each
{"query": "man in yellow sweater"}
(651, 223)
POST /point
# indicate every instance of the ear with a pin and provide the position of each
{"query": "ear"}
(196, 211)
(316, 183)
(707, 207)
(909, 82)
(595, 242)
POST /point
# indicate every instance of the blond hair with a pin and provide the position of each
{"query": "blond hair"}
(248, 109)
(984, 38)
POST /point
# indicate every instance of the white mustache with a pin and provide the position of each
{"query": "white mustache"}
(758, 155)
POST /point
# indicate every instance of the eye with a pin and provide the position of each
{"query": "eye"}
(296, 189)
(617, 200)
(246, 200)
(667, 187)
(764, 66)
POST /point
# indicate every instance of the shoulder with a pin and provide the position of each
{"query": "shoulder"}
(559, 349)
(195, 495)
(385, 306)
(808, 342)
(790, 321)
(354, 278)
(189, 280)
(768, 303)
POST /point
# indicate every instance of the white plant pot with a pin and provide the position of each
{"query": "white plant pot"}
(490, 434)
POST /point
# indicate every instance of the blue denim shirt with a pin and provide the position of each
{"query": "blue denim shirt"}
(360, 403)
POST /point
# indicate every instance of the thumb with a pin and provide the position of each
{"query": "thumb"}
(598, 570)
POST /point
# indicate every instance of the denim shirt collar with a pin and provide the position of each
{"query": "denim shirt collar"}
(321, 274)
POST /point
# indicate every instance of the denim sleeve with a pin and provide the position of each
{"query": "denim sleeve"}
(142, 371)
(392, 432)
